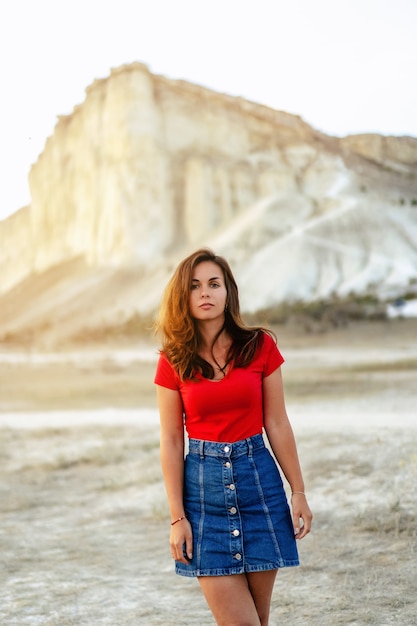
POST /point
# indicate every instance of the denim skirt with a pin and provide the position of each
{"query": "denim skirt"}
(236, 504)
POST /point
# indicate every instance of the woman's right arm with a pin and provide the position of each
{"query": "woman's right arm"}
(172, 462)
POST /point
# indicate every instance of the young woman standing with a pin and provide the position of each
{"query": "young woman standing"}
(231, 524)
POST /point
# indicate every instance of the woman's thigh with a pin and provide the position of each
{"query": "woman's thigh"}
(230, 600)
(261, 585)
(240, 599)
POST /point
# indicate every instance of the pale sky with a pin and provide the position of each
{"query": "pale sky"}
(345, 66)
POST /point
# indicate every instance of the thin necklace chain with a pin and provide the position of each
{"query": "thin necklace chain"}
(222, 369)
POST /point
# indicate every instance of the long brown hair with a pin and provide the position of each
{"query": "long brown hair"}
(180, 336)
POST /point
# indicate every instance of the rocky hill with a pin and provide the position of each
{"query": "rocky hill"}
(147, 169)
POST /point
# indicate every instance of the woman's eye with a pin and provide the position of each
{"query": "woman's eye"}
(214, 285)
(194, 286)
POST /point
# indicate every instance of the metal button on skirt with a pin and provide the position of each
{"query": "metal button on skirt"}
(236, 504)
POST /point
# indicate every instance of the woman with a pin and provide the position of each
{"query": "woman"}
(231, 525)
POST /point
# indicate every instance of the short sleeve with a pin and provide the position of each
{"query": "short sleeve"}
(165, 375)
(273, 358)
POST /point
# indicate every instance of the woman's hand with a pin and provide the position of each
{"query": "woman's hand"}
(301, 510)
(181, 537)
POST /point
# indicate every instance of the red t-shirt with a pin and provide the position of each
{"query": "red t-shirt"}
(229, 409)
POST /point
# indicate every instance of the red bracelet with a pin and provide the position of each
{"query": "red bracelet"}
(177, 520)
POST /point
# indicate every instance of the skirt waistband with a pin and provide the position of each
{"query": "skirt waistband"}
(225, 449)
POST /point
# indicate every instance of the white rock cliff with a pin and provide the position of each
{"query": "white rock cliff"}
(147, 169)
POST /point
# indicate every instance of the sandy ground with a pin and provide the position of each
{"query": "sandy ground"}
(84, 524)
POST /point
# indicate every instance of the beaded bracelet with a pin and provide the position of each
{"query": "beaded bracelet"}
(177, 520)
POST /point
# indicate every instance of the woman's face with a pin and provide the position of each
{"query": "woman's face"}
(207, 292)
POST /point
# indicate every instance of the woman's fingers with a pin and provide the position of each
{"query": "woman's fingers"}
(303, 530)
(301, 511)
(181, 542)
(189, 545)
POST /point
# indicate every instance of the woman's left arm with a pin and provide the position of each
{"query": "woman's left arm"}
(281, 438)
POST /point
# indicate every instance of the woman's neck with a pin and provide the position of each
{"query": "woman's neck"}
(215, 349)
(208, 333)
